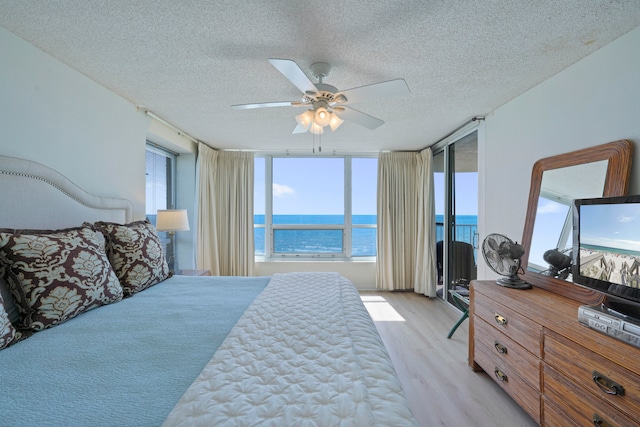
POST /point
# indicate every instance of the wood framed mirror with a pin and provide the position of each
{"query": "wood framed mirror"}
(599, 171)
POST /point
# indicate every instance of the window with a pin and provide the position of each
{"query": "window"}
(160, 182)
(259, 205)
(364, 177)
(315, 206)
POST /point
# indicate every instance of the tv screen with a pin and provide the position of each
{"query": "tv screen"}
(606, 248)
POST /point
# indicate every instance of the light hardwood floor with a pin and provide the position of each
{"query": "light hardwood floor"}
(433, 370)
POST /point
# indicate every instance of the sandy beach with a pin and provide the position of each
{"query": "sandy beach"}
(591, 264)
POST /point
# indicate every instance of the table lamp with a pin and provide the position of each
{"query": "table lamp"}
(172, 220)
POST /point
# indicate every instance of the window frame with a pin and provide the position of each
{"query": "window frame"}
(346, 228)
(171, 186)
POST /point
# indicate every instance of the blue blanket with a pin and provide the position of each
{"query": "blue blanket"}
(125, 364)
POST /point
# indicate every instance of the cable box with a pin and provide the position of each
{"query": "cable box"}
(610, 322)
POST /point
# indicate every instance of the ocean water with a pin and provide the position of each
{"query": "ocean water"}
(328, 242)
(301, 242)
(610, 250)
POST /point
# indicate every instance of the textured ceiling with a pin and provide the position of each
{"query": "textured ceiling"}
(189, 61)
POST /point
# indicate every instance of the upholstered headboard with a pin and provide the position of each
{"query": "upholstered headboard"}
(34, 196)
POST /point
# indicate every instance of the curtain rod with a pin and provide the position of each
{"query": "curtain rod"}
(169, 125)
(467, 123)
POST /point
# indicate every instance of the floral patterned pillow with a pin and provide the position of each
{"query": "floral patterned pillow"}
(55, 275)
(135, 253)
(8, 333)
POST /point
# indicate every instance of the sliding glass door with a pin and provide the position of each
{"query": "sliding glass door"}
(456, 194)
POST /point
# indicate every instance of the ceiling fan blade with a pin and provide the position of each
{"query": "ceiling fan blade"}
(360, 118)
(265, 104)
(300, 129)
(294, 73)
(397, 87)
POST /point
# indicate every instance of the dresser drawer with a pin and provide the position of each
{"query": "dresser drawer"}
(579, 364)
(577, 403)
(556, 417)
(525, 395)
(509, 322)
(509, 352)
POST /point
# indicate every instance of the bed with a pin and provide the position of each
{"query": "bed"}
(293, 349)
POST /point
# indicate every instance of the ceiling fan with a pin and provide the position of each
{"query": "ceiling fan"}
(324, 102)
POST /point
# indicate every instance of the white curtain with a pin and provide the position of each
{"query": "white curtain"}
(224, 235)
(406, 222)
(426, 271)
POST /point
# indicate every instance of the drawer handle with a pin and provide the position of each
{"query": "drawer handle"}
(501, 376)
(500, 348)
(600, 422)
(607, 385)
(500, 319)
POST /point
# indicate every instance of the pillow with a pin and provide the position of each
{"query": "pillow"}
(55, 275)
(135, 253)
(9, 305)
(8, 333)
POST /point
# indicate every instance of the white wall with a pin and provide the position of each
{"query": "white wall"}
(595, 101)
(54, 115)
(51, 114)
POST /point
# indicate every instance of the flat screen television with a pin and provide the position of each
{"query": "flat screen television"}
(606, 250)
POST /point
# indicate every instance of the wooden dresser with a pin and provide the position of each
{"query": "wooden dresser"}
(561, 372)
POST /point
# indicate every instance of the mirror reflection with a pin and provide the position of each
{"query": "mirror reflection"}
(564, 177)
(553, 220)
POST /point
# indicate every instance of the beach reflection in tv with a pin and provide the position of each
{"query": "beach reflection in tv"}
(609, 242)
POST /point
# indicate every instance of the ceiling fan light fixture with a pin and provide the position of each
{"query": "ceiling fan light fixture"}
(323, 117)
(305, 119)
(316, 129)
(335, 122)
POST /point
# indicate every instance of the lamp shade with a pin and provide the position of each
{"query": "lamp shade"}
(335, 122)
(305, 119)
(316, 129)
(322, 117)
(172, 220)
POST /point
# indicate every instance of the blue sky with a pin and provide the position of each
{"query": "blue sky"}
(611, 225)
(466, 193)
(321, 192)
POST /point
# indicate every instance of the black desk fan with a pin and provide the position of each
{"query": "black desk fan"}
(503, 256)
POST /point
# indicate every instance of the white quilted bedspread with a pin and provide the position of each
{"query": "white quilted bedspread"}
(305, 353)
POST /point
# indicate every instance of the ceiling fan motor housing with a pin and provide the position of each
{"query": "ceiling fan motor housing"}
(320, 70)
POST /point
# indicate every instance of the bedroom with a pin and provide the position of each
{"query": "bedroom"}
(57, 116)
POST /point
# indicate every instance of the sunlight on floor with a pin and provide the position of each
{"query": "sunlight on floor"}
(380, 310)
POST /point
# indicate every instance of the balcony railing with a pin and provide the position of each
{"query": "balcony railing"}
(461, 232)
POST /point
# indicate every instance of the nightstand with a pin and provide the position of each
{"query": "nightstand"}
(195, 273)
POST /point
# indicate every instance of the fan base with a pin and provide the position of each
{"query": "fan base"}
(320, 70)
(513, 282)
